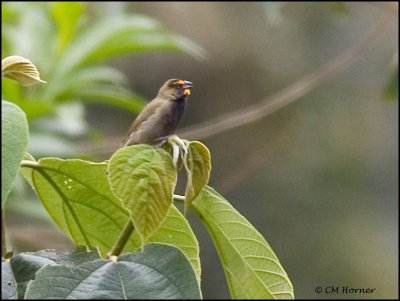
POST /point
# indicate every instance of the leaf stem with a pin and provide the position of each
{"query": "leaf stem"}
(122, 239)
(3, 234)
(179, 198)
(30, 164)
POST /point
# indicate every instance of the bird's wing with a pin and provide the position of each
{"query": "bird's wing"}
(144, 115)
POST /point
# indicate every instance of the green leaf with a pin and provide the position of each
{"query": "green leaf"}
(67, 16)
(391, 91)
(11, 90)
(8, 283)
(112, 95)
(100, 219)
(118, 35)
(25, 265)
(27, 172)
(144, 178)
(32, 34)
(86, 76)
(78, 197)
(33, 107)
(21, 70)
(251, 267)
(339, 8)
(14, 142)
(158, 272)
(176, 231)
(93, 206)
(198, 164)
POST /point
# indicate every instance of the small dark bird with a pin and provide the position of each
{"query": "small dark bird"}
(159, 118)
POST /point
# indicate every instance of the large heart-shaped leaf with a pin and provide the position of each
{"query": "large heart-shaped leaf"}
(78, 197)
(14, 143)
(176, 231)
(8, 283)
(158, 272)
(252, 269)
(84, 187)
(25, 265)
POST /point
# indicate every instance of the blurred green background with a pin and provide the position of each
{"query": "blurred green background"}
(318, 178)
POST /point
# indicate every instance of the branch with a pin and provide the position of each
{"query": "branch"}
(272, 103)
(287, 95)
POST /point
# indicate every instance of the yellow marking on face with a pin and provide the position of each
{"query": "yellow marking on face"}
(180, 82)
(186, 92)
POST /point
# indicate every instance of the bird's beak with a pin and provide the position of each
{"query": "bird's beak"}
(187, 84)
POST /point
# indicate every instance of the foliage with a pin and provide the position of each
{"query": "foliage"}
(70, 47)
(14, 143)
(136, 243)
(140, 275)
(132, 242)
(391, 91)
(143, 178)
(243, 251)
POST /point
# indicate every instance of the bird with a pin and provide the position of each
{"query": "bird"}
(159, 119)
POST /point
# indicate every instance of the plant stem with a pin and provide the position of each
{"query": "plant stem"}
(3, 234)
(122, 239)
(179, 198)
(127, 232)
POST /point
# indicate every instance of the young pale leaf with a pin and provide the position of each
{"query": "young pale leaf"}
(14, 143)
(25, 265)
(158, 272)
(251, 267)
(198, 164)
(8, 283)
(20, 69)
(144, 178)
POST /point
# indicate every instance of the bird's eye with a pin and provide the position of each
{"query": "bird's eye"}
(177, 86)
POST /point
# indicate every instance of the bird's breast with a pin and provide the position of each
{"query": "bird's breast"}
(174, 113)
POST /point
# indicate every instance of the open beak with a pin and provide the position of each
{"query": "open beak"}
(187, 85)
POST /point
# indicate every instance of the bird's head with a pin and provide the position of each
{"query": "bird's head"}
(175, 89)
